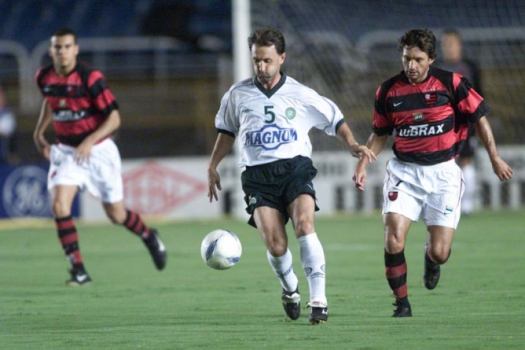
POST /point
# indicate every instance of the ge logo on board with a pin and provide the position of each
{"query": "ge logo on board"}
(25, 192)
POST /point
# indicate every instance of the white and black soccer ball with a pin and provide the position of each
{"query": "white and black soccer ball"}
(221, 249)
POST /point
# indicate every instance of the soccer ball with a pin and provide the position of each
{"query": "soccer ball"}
(221, 249)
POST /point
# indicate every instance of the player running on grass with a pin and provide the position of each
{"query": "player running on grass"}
(430, 110)
(85, 115)
(271, 115)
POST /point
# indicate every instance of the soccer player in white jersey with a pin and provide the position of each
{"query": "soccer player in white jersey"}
(271, 115)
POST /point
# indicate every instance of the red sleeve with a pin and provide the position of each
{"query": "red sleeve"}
(382, 124)
(101, 96)
(468, 102)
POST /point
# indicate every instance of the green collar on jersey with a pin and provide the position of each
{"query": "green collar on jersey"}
(269, 93)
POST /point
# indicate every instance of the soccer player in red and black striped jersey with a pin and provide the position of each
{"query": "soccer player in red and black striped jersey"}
(429, 109)
(84, 114)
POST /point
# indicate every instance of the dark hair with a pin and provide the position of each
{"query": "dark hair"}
(64, 32)
(424, 39)
(267, 37)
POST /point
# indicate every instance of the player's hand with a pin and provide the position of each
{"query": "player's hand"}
(360, 177)
(502, 170)
(214, 183)
(83, 152)
(360, 151)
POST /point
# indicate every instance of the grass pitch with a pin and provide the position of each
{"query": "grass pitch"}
(478, 304)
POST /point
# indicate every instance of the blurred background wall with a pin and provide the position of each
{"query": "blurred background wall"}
(169, 90)
(169, 61)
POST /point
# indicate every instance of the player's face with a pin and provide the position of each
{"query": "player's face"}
(267, 64)
(451, 47)
(415, 64)
(64, 53)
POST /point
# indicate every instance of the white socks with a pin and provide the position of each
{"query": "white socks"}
(469, 196)
(282, 266)
(313, 261)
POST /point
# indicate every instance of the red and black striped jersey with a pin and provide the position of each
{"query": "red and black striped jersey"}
(80, 101)
(431, 118)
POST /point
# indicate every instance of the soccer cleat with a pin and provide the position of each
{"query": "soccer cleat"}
(156, 249)
(78, 279)
(292, 304)
(318, 313)
(402, 310)
(432, 272)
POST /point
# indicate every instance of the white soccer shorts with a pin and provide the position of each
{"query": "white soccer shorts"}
(432, 192)
(101, 176)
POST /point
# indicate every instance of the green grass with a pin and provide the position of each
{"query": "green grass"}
(479, 303)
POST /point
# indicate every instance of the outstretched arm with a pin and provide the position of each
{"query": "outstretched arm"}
(376, 144)
(502, 170)
(346, 136)
(223, 145)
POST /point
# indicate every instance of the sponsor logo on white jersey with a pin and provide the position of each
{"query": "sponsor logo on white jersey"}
(270, 137)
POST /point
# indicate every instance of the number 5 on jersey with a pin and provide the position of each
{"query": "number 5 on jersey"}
(268, 112)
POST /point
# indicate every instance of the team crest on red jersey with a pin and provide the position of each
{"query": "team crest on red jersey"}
(392, 195)
(71, 90)
(62, 103)
(430, 99)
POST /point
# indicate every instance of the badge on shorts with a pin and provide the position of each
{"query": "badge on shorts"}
(449, 209)
(392, 195)
(252, 201)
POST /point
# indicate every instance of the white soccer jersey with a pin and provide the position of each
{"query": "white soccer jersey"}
(273, 125)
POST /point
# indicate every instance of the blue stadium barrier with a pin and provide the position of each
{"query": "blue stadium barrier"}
(24, 192)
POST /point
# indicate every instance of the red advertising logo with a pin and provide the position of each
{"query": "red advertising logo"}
(154, 189)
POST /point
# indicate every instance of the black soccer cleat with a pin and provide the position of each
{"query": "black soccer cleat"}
(78, 278)
(318, 313)
(292, 304)
(402, 309)
(432, 272)
(156, 249)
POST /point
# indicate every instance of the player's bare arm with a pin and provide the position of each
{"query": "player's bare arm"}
(111, 124)
(45, 118)
(344, 133)
(222, 147)
(502, 170)
(375, 143)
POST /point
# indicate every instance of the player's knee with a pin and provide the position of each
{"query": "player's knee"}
(60, 209)
(394, 244)
(303, 227)
(277, 250)
(276, 245)
(394, 248)
(440, 256)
